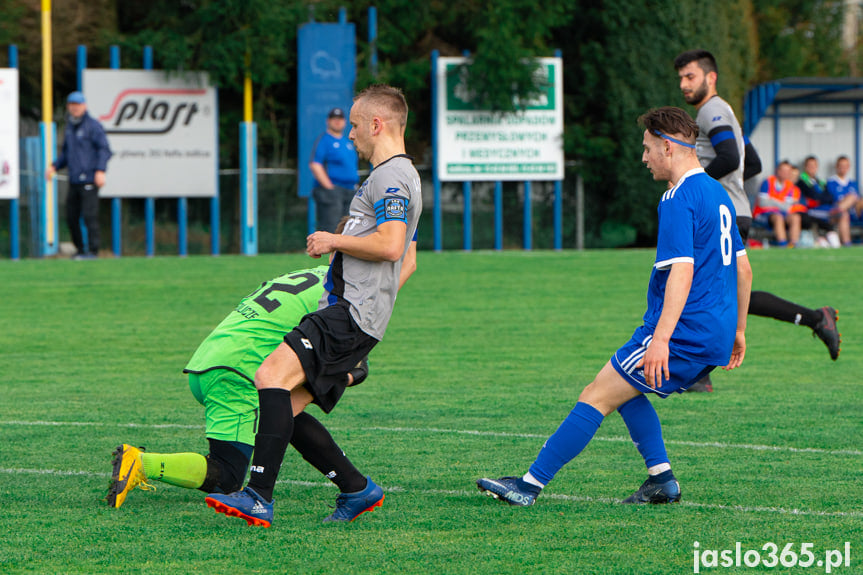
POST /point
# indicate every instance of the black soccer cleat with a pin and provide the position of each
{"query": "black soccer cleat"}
(827, 331)
(668, 492)
(703, 385)
(513, 490)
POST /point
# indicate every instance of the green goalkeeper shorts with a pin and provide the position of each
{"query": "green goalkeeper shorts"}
(230, 402)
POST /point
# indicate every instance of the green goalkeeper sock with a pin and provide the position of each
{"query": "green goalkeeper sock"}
(180, 469)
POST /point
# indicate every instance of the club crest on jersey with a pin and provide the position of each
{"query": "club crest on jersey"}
(395, 208)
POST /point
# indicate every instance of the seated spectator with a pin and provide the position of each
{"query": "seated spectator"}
(818, 202)
(845, 199)
(779, 205)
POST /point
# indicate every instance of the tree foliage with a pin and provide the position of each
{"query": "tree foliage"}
(617, 63)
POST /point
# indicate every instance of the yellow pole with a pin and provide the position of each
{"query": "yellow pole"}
(247, 90)
(47, 116)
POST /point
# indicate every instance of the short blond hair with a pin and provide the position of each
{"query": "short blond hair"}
(385, 99)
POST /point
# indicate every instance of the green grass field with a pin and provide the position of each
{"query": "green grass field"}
(485, 355)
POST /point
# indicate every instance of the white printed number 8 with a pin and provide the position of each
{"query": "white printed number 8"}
(725, 244)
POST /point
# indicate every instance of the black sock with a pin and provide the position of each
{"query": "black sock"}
(312, 440)
(663, 477)
(271, 441)
(768, 305)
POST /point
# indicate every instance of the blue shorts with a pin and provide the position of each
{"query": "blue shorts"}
(683, 372)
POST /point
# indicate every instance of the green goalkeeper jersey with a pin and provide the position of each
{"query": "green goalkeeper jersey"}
(259, 323)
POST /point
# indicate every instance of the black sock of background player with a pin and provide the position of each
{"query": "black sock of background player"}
(271, 441)
(312, 440)
(768, 305)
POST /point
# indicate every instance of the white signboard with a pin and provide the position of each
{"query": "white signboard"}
(163, 131)
(475, 145)
(9, 162)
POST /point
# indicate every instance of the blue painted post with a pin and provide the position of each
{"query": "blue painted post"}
(116, 203)
(558, 199)
(149, 203)
(81, 57)
(437, 216)
(528, 218)
(343, 15)
(14, 208)
(467, 218)
(558, 215)
(215, 209)
(248, 189)
(498, 216)
(373, 40)
(182, 226)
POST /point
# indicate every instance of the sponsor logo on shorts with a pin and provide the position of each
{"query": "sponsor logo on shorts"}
(257, 468)
(307, 344)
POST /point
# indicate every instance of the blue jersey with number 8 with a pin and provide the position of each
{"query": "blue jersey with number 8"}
(697, 224)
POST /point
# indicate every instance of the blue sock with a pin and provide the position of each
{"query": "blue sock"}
(644, 429)
(569, 440)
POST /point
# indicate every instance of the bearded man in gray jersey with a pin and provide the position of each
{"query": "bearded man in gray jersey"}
(722, 152)
(353, 313)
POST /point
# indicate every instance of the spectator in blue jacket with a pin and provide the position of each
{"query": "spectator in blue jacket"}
(85, 153)
(334, 166)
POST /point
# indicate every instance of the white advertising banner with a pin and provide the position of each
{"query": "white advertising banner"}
(481, 145)
(163, 131)
(9, 162)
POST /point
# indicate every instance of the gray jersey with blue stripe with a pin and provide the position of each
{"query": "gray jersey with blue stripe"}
(713, 114)
(392, 192)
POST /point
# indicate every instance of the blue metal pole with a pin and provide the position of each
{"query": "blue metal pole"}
(182, 226)
(116, 203)
(14, 208)
(248, 189)
(528, 218)
(149, 203)
(373, 40)
(215, 207)
(437, 216)
(82, 64)
(558, 199)
(498, 216)
(468, 232)
(343, 15)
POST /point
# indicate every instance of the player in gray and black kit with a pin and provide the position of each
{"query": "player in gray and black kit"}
(722, 152)
(359, 295)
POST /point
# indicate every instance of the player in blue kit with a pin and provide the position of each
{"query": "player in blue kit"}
(697, 301)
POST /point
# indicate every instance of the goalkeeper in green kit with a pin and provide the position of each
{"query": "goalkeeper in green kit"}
(221, 377)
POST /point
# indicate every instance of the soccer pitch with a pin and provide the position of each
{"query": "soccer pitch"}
(485, 355)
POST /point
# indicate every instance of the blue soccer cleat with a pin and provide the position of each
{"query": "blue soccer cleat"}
(513, 490)
(245, 504)
(668, 492)
(349, 506)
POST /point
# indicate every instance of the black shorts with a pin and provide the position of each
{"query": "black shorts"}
(329, 343)
(743, 225)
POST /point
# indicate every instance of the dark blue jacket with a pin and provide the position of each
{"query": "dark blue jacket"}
(85, 150)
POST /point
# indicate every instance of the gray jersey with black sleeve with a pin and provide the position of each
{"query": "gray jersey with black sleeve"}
(392, 192)
(713, 119)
